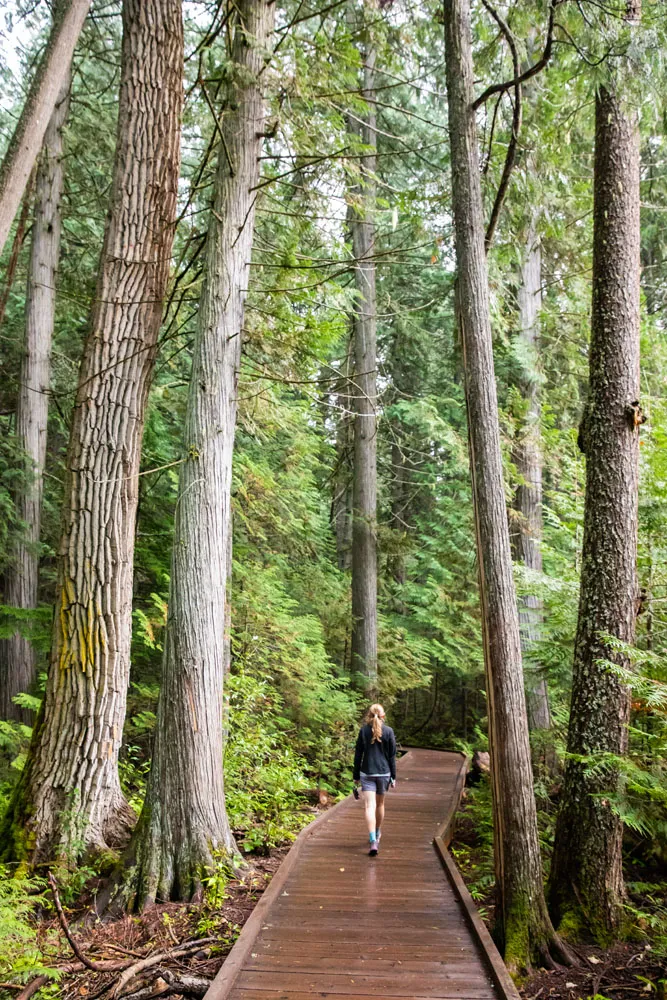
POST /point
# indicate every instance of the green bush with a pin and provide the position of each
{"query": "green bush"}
(265, 777)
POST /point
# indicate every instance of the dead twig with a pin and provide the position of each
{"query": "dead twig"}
(62, 919)
(123, 951)
(172, 934)
(597, 979)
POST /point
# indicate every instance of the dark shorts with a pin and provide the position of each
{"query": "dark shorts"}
(370, 783)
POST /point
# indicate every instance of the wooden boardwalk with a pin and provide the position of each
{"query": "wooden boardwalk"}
(336, 923)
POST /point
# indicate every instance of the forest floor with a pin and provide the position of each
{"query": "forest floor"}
(160, 930)
(626, 971)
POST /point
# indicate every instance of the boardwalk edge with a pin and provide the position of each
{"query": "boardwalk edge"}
(499, 973)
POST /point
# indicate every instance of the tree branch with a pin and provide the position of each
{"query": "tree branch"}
(510, 158)
(492, 134)
(499, 88)
(19, 237)
(62, 919)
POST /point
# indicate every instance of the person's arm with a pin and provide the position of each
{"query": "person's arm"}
(391, 753)
(358, 756)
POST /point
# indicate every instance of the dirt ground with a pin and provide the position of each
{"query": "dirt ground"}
(624, 972)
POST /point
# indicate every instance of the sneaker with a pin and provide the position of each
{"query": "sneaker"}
(374, 845)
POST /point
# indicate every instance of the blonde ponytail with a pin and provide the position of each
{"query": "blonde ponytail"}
(374, 717)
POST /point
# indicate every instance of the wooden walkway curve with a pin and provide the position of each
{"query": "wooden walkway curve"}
(337, 924)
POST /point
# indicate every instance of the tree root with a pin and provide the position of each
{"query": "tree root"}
(32, 987)
(541, 946)
(62, 920)
(555, 952)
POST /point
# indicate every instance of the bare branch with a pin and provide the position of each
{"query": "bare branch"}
(498, 88)
(510, 158)
(62, 919)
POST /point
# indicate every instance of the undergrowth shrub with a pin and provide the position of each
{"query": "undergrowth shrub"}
(473, 848)
(23, 954)
(264, 775)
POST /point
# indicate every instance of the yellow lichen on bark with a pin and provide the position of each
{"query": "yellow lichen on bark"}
(65, 655)
(82, 630)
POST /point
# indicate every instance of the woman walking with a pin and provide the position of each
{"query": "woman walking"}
(375, 767)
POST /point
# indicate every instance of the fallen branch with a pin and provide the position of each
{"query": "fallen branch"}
(168, 984)
(146, 963)
(128, 969)
(62, 919)
(159, 988)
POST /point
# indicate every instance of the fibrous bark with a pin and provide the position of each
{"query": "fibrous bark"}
(523, 927)
(69, 796)
(51, 74)
(527, 454)
(184, 820)
(17, 655)
(586, 887)
(364, 393)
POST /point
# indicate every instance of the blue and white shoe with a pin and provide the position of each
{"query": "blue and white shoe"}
(374, 845)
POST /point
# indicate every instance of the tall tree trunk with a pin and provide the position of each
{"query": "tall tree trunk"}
(17, 655)
(342, 499)
(185, 821)
(523, 926)
(70, 795)
(51, 74)
(528, 461)
(361, 219)
(400, 489)
(587, 889)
